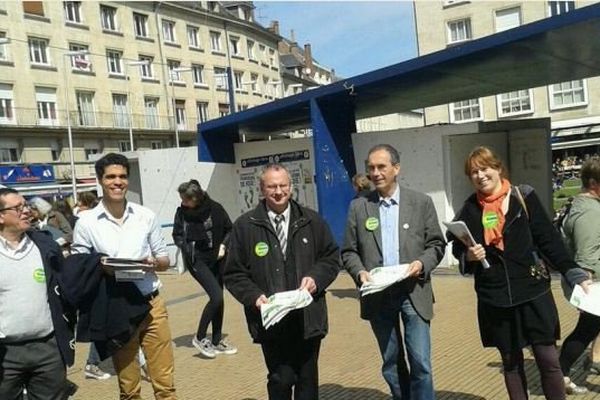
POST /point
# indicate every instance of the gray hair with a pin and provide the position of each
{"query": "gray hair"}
(191, 190)
(41, 205)
(274, 167)
(394, 155)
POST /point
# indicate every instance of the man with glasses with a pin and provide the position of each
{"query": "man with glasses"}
(119, 228)
(36, 324)
(281, 246)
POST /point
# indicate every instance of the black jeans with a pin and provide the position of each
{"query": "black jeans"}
(586, 330)
(35, 365)
(211, 280)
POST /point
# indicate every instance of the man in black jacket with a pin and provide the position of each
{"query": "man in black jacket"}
(36, 335)
(276, 247)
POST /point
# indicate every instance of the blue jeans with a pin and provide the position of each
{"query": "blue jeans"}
(416, 384)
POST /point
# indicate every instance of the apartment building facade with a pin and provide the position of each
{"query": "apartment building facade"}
(121, 76)
(574, 107)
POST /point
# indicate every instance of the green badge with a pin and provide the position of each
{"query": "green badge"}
(489, 219)
(261, 249)
(371, 223)
(39, 276)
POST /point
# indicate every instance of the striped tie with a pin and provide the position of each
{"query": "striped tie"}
(280, 232)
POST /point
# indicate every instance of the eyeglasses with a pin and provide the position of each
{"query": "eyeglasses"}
(18, 208)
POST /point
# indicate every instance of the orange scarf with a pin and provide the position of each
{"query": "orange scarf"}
(492, 217)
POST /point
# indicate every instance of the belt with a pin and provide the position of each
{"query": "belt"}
(152, 295)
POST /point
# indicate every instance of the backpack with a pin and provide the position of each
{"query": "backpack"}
(560, 216)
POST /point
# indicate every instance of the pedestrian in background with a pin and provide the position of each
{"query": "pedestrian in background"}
(361, 185)
(201, 231)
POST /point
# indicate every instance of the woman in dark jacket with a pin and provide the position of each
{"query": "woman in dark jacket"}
(515, 305)
(201, 231)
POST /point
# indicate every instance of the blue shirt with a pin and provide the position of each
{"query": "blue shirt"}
(389, 215)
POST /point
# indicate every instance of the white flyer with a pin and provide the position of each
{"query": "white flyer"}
(280, 304)
(588, 302)
(384, 277)
(462, 232)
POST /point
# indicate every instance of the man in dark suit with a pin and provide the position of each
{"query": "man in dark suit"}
(395, 225)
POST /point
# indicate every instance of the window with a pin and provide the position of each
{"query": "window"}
(234, 45)
(46, 106)
(568, 94)
(3, 48)
(220, 78)
(33, 7)
(223, 109)
(202, 111)
(271, 57)
(459, 30)
(146, 69)
(215, 41)
(508, 19)
(192, 33)
(266, 86)
(168, 28)
(237, 80)
(124, 145)
(80, 62)
(120, 113)
(262, 52)
(515, 103)
(90, 151)
(9, 154)
(560, 7)
(250, 46)
(180, 114)
(55, 150)
(156, 144)
(140, 24)
(113, 58)
(174, 75)
(151, 111)
(38, 51)
(73, 11)
(254, 83)
(7, 114)
(198, 74)
(85, 108)
(467, 110)
(108, 18)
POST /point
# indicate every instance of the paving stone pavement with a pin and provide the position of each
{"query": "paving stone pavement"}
(349, 361)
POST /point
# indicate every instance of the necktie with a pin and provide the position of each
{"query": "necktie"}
(280, 232)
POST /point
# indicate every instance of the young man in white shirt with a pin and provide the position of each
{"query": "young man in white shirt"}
(119, 228)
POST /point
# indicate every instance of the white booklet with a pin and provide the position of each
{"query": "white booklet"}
(588, 302)
(126, 269)
(384, 277)
(462, 232)
(280, 304)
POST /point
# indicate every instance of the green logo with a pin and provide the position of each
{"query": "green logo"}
(371, 223)
(261, 249)
(39, 276)
(489, 219)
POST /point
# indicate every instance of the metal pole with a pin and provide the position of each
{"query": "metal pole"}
(69, 133)
(174, 110)
(129, 107)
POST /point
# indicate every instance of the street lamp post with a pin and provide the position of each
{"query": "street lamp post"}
(173, 74)
(71, 54)
(127, 65)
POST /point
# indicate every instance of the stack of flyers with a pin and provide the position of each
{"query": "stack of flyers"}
(384, 277)
(126, 269)
(280, 304)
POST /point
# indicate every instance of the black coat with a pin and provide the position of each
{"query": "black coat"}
(62, 312)
(311, 251)
(511, 279)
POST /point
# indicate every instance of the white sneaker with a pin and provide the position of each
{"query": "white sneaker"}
(205, 347)
(94, 372)
(572, 388)
(225, 348)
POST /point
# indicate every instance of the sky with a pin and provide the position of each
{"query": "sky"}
(353, 37)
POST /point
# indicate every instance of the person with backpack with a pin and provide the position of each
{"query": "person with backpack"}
(581, 232)
(516, 309)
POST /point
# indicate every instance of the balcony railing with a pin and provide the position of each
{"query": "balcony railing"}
(26, 117)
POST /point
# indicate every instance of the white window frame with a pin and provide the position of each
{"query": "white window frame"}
(271, 58)
(86, 65)
(202, 111)
(140, 25)
(505, 11)
(46, 106)
(108, 18)
(452, 107)
(552, 91)
(570, 7)
(38, 51)
(234, 46)
(90, 151)
(198, 74)
(173, 75)
(238, 77)
(467, 29)
(255, 87)
(515, 97)
(168, 30)
(120, 104)
(73, 12)
(7, 105)
(4, 54)
(220, 75)
(262, 52)
(9, 154)
(124, 146)
(215, 41)
(114, 62)
(250, 44)
(151, 114)
(193, 34)
(86, 110)
(146, 70)
(180, 115)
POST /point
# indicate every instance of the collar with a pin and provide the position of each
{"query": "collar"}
(4, 244)
(393, 199)
(102, 212)
(286, 214)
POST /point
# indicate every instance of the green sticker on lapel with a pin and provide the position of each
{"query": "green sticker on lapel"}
(261, 249)
(489, 219)
(371, 223)
(39, 275)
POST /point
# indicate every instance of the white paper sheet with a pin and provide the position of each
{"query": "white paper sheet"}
(588, 302)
